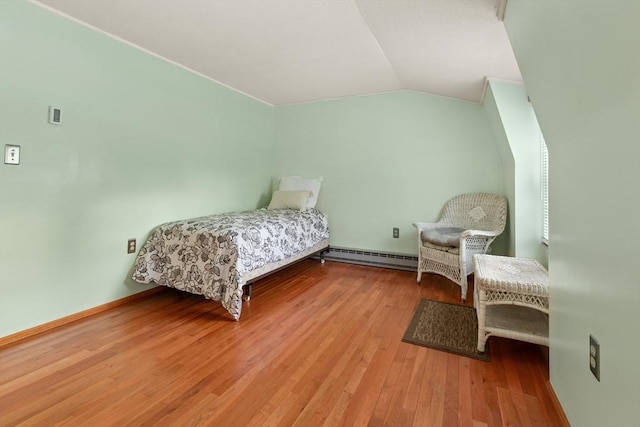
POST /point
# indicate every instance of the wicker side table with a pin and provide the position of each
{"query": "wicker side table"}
(511, 296)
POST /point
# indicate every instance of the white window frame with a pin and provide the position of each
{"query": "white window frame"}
(544, 188)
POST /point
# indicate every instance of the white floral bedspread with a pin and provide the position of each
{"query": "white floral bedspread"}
(208, 255)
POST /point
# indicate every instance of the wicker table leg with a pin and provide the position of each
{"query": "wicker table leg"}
(481, 311)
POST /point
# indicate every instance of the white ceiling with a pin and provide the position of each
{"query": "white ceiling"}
(289, 51)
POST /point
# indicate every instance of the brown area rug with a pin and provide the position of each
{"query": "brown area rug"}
(447, 327)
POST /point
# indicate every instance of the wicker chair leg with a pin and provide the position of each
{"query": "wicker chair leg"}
(463, 289)
(419, 276)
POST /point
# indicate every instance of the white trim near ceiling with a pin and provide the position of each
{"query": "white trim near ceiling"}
(468, 101)
(484, 89)
(501, 8)
(493, 79)
(121, 40)
(338, 98)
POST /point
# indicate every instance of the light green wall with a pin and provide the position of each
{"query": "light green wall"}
(581, 64)
(142, 142)
(518, 139)
(508, 167)
(388, 160)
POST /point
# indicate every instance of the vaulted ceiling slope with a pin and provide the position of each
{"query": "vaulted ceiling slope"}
(291, 51)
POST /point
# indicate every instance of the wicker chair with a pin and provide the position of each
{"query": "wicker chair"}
(469, 223)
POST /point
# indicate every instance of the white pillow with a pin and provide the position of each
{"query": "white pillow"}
(299, 183)
(289, 200)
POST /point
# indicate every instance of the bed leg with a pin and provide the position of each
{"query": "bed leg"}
(247, 293)
(322, 255)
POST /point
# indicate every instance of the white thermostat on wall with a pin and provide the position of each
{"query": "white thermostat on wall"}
(55, 115)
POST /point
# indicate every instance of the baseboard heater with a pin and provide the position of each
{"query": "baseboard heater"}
(375, 259)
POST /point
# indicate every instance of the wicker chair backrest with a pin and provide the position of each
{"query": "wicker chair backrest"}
(476, 211)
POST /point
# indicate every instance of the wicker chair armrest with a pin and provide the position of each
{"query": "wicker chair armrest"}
(478, 233)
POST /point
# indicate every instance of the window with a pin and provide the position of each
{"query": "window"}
(544, 188)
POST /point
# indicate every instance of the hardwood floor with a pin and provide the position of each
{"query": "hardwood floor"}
(316, 345)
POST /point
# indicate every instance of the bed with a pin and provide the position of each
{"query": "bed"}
(219, 256)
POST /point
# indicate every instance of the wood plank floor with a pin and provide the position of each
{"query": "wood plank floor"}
(316, 345)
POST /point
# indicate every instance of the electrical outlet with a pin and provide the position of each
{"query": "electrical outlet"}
(12, 154)
(594, 357)
(131, 246)
(396, 232)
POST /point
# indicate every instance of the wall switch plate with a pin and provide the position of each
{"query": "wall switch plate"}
(131, 246)
(396, 232)
(594, 357)
(12, 154)
(55, 115)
